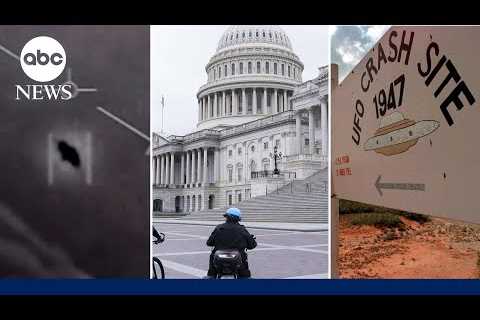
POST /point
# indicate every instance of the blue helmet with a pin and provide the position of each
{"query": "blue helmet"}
(234, 212)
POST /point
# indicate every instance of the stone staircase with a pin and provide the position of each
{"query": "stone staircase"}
(292, 203)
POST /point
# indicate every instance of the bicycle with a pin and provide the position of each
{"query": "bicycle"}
(156, 261)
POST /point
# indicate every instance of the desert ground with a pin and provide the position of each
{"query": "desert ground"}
(412, 249)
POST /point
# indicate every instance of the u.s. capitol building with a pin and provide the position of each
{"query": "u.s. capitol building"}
(254, 100)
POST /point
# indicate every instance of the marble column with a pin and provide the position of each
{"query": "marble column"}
(182, 168)
(199, 165)
(154, 170)
(205, 172)
(193, 178)
(216, 112)
(298, 124)
(254, 102)
(159, 172)
(188, 168)
(199, 110)
(205, 108)
(228, 103)
(274, 102)
(167, 168)
(311, 131)
(244, 102)
(324, 121)
(216, 165)
(162, 169)
(285, 108)
(264, 102)
(172, 168)
(224, 105)
(234, 102)
(209, 107)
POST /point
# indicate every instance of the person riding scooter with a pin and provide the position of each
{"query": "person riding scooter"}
(231, 235)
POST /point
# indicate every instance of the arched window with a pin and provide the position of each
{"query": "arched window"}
(249, 67)
(250, 34)
(257, 34)
(267, 67)
(237, 36)
(243, 35)
(253, 167)
(283, 69)
(295, 73)
(258, 66)
(233, 69)
(225, 70)
(230, 173)
(266, 164)
(239, 172)
(274, 68)
(289, 71)
(270, 35)
(240, 69)
(219, 72)
(264, 34)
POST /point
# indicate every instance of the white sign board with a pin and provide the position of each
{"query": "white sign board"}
(406, 124)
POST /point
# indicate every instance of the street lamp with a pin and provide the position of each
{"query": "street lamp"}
(276, 155)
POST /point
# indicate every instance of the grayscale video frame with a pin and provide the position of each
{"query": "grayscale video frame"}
(74, 187)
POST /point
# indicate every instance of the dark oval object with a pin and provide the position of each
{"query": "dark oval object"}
(69, 153)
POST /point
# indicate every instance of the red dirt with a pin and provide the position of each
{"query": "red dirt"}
(436, 249)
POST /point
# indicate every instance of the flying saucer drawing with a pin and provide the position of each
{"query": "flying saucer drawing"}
(398, 134)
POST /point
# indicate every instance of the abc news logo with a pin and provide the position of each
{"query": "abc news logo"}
(43, 59)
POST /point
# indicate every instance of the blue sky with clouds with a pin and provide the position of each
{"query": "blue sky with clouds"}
(349, 44)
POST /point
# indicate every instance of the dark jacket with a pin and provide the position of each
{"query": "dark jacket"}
(156, 234)
(231, 235)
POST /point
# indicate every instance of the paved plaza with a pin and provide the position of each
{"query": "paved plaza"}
(280, 254)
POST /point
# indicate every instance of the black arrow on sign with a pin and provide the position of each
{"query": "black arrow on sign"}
(398, 186)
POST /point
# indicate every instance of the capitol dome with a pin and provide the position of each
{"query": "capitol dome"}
(251, 75)
(254, 35)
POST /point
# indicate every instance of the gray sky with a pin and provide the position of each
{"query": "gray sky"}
(349, 44)
(178, 58)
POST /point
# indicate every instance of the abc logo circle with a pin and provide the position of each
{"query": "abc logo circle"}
(43, 59)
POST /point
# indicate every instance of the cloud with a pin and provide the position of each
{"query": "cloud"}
(349, 44)
(375, 32)
(331, 31)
